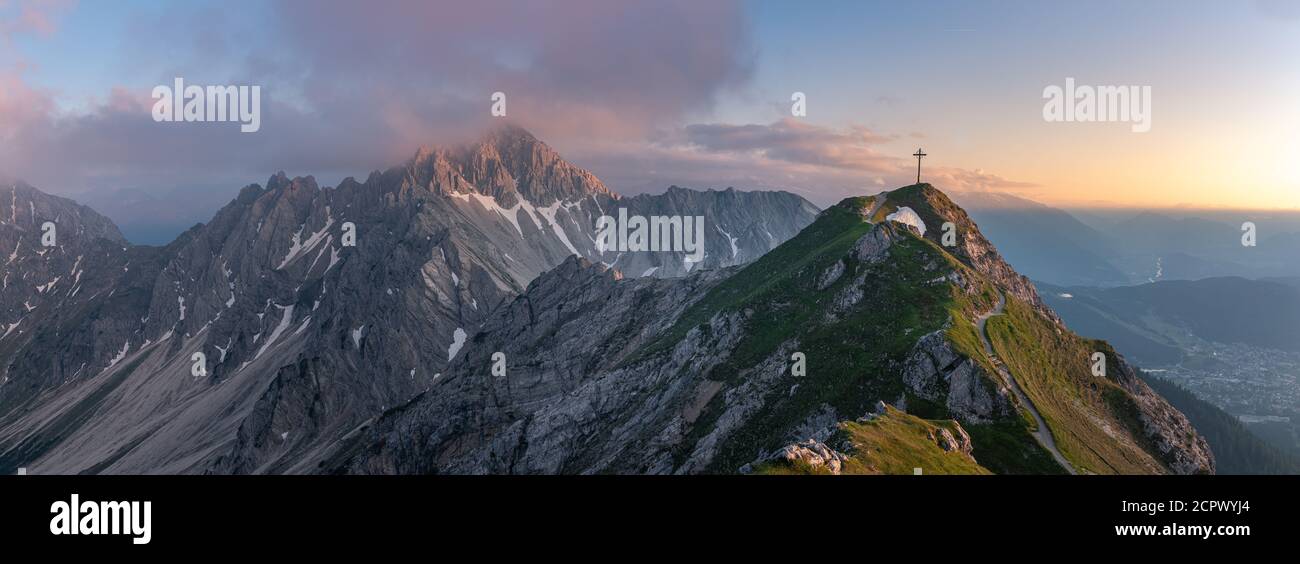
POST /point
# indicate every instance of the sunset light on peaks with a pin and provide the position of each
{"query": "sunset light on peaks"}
(961, 275)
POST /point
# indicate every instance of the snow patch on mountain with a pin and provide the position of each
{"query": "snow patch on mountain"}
(510, 214)
(120, 354)
(549, 213)
(457, 341)
(907, 216)
(223, 350)
(734, 248)
(11, 328)
(285, 319)
(299, 247)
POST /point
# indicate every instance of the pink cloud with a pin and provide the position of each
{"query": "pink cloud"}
(38, 17)
(349, 87)
(822, 164)
(793, 141)
(352, 86)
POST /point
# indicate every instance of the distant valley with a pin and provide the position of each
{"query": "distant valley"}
(1230, 341)
(1116, 247)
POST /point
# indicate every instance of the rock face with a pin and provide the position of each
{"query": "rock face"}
(587, 373)
(62, 297)
(302, 337)
(1176, 442)
(563, 344)
(937, 372)
(950, 442)
(935, 209)
(812, 453)
(874, 246)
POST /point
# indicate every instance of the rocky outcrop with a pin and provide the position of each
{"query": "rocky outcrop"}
(1176, 442)
(953, 442)
(937, 372)
(830, 275)
(810, 453)
(874, 246)
(971, 247)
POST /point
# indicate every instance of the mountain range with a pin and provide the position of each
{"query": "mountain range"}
(478, 326)
(1044, 243)
(1121, 247)
(916, 356)
(304, 337)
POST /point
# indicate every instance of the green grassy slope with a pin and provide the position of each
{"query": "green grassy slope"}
(850, 358)
(854, 356)
(891, 443)
(1092, 419)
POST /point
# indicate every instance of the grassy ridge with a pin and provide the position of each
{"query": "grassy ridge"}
(1091, 418)
(816, 247)
(854, 357)
(892, 443)
(851, 356)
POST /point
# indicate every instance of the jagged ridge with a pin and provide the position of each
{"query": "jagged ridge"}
(305, 338)
(879, 311)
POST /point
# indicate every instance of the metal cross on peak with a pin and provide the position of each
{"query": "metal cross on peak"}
(918, 154)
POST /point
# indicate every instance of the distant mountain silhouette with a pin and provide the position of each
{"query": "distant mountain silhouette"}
(1228, 310)
(1042, 242)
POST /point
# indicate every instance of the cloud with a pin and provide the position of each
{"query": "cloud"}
(819, 163)
(412, 73)
(792, 141)
(35, 17)
(586, 68)
(977, 180)
(349, 87)
(353, 86)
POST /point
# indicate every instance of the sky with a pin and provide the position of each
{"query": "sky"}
(651, 94)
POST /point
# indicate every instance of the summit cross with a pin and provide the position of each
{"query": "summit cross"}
(918, 154)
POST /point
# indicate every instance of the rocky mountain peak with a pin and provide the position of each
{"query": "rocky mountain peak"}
(508, 164)
(29, 208)
(575, 270)
(538, 172)
(304, 335)
(935, 215)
